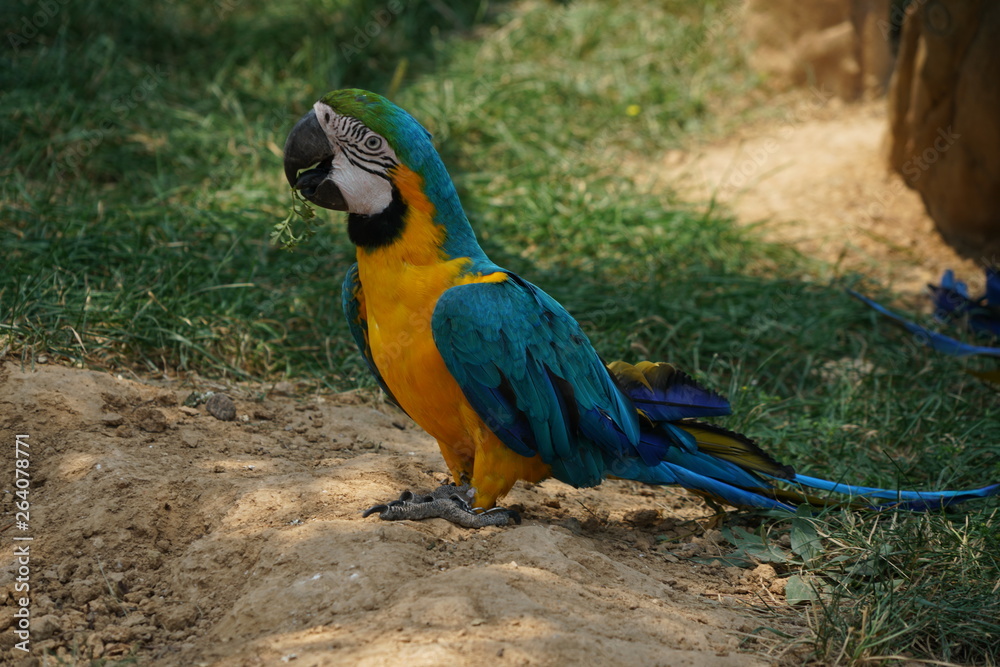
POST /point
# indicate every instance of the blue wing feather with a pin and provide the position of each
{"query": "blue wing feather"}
(527, 368)
(665, 393)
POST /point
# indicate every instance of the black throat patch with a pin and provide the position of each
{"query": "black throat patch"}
(379, 230)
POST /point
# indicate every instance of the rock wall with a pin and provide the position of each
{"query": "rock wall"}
(944, 118)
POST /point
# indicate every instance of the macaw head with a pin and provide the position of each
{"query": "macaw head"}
(358, 152)
(349, 152)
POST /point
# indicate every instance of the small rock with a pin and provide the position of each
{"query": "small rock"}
(263, 414)
(115, 634)
(112, 420)
(84, 591)
(124, 431)
(177, 617)
(167, 399)
(6, 618)
(283, 389)
(96, 646)
(221, 407)
(150, 420)
(763, 573)
(189, 411)
(44, 627)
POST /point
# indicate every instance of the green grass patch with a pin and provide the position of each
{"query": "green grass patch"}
(883, 589)
(143, 179)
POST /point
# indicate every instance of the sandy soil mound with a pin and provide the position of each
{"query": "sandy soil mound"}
(163, 533)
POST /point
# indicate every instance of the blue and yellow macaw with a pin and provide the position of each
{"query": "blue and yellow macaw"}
(493, 367)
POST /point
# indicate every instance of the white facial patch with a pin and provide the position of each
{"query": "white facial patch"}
(362, 159)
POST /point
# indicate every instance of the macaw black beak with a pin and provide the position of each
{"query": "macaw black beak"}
(308, 164)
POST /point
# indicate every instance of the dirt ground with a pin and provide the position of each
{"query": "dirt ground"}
(165, 535)
(816, 179)
(161, 532)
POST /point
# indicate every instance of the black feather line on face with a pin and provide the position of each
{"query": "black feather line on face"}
(381, 229)
(361, 165)
(351, 134)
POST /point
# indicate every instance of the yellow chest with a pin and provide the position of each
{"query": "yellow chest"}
(399, 307)
(402, 283)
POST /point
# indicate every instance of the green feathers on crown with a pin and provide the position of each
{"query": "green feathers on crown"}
(406, 136)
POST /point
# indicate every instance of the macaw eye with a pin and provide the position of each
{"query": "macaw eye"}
(373, 143)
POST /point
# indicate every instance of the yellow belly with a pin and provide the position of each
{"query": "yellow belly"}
(416, 374)
(403, 348)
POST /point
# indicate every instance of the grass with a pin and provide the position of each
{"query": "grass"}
(916, 587)
(143, 178)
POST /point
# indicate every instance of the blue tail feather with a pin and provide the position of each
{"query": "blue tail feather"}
(672, 474)
(728, 466)
(914, 500)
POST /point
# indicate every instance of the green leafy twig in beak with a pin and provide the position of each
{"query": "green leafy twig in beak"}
(282, 233)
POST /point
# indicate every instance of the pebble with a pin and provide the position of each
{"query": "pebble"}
(150, 419)
(112, 420)
(221, 407)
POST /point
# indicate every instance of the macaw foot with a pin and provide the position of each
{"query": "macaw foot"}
(446, 502)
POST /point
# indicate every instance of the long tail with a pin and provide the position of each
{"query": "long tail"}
(729, 467)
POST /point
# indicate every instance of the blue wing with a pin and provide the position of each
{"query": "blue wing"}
(352, 295)
(531, 374)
